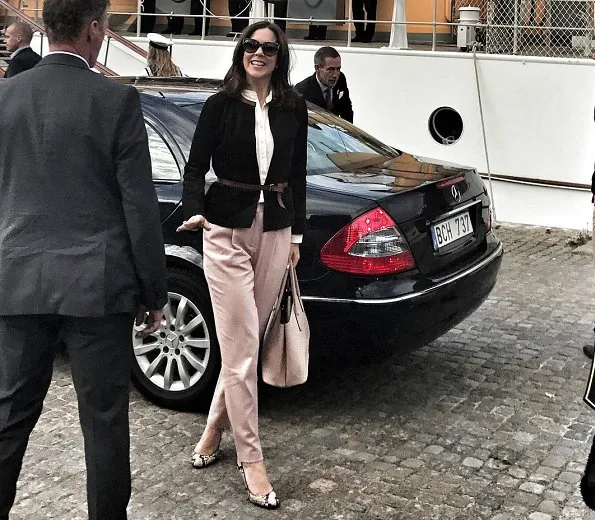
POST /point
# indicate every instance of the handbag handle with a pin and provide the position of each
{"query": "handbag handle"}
(295, 286)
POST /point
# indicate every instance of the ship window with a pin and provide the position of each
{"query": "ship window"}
(445, 125)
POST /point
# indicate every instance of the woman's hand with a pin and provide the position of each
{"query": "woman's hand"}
(294, 254)
(193, 223)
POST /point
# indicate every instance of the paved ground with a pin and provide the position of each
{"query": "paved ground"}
(486, 422)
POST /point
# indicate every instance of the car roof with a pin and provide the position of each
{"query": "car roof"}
(192, 88)
(189, 90)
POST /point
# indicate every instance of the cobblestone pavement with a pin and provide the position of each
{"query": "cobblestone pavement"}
(486, 422)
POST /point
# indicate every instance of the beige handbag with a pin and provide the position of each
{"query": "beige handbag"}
(286, 339)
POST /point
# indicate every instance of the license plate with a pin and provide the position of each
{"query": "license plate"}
(451, 229)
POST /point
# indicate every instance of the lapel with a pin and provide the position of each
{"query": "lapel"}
(276, 120)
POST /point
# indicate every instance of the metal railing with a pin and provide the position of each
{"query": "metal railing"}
(41, 29)
(555, 28)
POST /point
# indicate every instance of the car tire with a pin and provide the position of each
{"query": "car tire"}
(178, 367)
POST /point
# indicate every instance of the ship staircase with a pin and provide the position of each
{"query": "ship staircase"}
(10, 13)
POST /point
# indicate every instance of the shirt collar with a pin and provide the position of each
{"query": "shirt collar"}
(18, 50)
(323, 87)
(70, 54)
(250, 95)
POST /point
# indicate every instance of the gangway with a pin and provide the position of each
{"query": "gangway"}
(109, 36)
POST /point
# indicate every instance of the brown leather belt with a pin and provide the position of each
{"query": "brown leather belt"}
(277, 188)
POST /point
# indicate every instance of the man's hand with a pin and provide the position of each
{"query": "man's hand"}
(153, 322)
(193, 223)
(294, 254)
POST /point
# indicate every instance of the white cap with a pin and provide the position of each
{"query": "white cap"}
(158, 41)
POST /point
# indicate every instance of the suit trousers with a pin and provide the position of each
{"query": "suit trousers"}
(244, 269)
(100, 360)
(176, 23)
(238, 8)
(366, 30)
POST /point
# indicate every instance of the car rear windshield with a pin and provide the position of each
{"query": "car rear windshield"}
(333, 144)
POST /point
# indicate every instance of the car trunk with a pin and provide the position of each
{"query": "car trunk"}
(440, 208)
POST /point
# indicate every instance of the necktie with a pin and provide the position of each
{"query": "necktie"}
(328, 98)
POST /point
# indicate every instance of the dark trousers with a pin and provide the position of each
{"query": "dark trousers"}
(316, 32)
(175, 24)
(364, 32)
(100, 360)
(281, 12)
(147, 23)
(236, 7)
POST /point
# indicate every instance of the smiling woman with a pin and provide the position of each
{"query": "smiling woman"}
(254, 134)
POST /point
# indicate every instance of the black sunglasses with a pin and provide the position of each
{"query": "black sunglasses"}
(251, 45)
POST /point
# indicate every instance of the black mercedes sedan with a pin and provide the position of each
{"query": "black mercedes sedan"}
(397, 249)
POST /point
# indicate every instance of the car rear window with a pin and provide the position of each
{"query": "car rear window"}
(333, 144)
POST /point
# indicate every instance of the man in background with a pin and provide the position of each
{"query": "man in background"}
(81, 250)
(17, 38)
(327, 87)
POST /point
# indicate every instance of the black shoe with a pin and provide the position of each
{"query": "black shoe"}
(310, 37)
(195, 33)
(589, 350)
(167, 30)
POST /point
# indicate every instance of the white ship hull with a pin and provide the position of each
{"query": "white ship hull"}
(538, 115)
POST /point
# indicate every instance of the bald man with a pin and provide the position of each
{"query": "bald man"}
(18, 38)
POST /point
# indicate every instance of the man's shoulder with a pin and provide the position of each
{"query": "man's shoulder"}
(342, 81)
(27, 54)
(304, 84)
(108, 86)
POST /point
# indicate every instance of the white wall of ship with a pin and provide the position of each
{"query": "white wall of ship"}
(538, 114)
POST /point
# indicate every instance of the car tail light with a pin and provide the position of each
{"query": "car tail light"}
(488, 222)
(370, 245)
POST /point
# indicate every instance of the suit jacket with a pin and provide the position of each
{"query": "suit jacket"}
(225, 134)
(80, 232)
(24, 60)
(341, 101)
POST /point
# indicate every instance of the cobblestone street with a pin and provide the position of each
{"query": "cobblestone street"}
(487, 422)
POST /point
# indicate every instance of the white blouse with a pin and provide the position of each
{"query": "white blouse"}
(265, 144)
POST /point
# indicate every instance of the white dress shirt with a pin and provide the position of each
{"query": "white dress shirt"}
(324, 88)
(265, 144)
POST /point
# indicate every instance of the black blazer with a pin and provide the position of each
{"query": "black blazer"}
(80, 231)
(225, 134)
(341, 102)
(24, 60)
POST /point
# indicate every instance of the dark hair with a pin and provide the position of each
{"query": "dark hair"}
(64, 19)
(24, 29)
(323, 53)
(235, 80)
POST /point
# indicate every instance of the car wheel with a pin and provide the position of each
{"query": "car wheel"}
(177, 367)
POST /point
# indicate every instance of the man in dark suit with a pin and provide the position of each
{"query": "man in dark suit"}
(81, 250)
(327, 87)
(17, 38)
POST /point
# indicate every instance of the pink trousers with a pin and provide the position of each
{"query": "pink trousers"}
(244, 269)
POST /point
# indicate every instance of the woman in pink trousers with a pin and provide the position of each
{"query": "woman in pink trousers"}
(254, 133)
